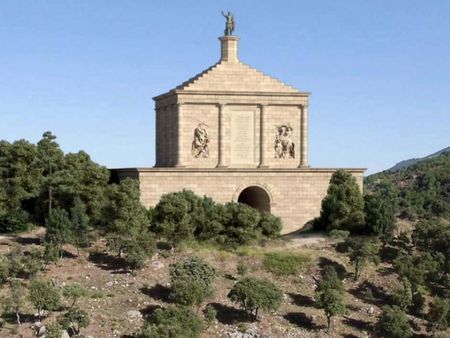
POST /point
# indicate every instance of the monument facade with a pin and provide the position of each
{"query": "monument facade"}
(234, 133)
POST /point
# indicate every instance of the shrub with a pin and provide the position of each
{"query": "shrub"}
(393, 323)
(174, 322)
(74, 320)
(241, 269)
(15, 220)
(193, 269)
(330, 295)
(362, 251)
(283, 264)
(58, 228)
(73, 292)
(209, 315)
(402, 297)
(4, 269)
(53, 330)
(439, 314)
(43, 296)
(270, 225)
(254, 294)
(336, 233)
(191, 281)
(343, 206)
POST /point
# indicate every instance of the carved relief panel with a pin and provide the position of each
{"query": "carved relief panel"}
(200, 142)
(284, 146)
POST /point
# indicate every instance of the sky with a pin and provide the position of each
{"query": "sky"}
(378, 71)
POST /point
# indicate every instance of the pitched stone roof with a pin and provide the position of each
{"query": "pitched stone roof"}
(235, 77)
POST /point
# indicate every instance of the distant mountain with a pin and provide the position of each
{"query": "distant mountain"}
(407, 163)
(420, 188)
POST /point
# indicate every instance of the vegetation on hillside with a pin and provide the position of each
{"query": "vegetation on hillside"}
(419, 191)
(190, 267)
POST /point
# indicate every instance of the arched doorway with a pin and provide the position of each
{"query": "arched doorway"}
(256, 197)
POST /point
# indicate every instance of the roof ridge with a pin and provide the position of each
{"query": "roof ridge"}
(197, 76)
(269, 76)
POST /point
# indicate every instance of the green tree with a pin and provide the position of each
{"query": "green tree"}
(43, 296)
(254, 294)
(380, 217)
(439, 314)
(330, 295)
(74, 320)
(362, 251)
(59, 230)
(209, 315)
(54, 330)
(403, 296)
(15, 302)
(128, 224)
(393, 323)
(191, 281)
(73, 292)
(173, 217)
(79, 224)
(343, 206)
(51, 159)
(19, 183)
(174, 322)
(4, 269)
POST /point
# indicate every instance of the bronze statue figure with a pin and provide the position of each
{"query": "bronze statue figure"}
(229, 27)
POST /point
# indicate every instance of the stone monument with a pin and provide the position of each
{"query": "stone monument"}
(234, 133)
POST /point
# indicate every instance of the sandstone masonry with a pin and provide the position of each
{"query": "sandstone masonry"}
(235, 134)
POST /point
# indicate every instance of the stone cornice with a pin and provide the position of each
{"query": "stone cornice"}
(235, 170)
(229, 93)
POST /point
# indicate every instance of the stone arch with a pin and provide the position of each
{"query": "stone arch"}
(256, 196)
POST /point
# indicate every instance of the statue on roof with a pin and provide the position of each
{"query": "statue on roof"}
(229, 26)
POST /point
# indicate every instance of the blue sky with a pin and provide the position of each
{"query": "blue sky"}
(379, 71)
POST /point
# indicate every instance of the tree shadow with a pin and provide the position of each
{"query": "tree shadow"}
(28, 240)
(302, 300)
(349, 335)
(358, 324)
(389, 253)
(108, 262)
(229, 315)
(24, 318)
(157, 292)
(148, 310)
(302, 320)
(372, 294)
(340, 269)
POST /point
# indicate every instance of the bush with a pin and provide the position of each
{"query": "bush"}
(53, 330)
(284, 264)
(393, 323)
(43, 296)
(343, 206)
(74, 320)
(254, 294)
(209, 315)
(174, 322)
(73, 292)
(15, 220)
(191, 281)
(330, 295)
(362, 251)
(4, 269)
(336, 233)
(182, 215)
(241, 269)
(439, 314)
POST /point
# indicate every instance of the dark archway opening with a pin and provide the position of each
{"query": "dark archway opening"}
(255, 197)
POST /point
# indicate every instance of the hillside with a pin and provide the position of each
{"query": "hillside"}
(422, 189)
(407, 163)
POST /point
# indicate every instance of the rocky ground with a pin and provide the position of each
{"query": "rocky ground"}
(119, 300)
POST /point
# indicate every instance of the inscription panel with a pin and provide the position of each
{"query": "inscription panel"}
(242, 137)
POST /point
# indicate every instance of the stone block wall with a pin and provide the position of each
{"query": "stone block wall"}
(295, 195)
